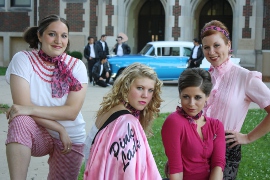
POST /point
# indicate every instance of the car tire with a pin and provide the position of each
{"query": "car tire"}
(119, 72)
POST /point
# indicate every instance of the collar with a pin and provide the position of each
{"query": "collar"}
(221, 69)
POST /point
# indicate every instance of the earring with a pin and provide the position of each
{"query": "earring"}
(179, 102)
(205, 105)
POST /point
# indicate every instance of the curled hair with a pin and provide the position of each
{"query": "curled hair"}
(121, 88)
(211, 31)
(30, 34)
(195, 77)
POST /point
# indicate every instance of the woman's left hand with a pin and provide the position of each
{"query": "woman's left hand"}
(16, 110)
(65, 139)
(237, 138)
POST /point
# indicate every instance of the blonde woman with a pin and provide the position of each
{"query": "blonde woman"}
(120, 149)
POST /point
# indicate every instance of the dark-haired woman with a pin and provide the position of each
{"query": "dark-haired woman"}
(194, 144)
(48, 88)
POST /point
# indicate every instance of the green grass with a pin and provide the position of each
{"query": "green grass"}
(255, 156)
(3, 71)
(3, 108)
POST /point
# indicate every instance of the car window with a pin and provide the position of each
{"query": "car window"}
(187, 51)
(145, 50)
(175, 51)
(151, 52)
(168, 51)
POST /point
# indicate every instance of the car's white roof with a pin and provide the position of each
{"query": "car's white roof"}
(171, 43)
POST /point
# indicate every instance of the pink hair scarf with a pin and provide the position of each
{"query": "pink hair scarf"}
(219, 29)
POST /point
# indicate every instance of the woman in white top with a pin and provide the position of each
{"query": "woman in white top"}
(48, 88)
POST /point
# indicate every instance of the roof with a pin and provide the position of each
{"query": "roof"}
(171, 43)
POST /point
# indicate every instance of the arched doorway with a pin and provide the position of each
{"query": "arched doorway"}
(151, 23)
(216, 10)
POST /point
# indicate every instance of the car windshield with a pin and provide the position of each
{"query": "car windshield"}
(146, 49)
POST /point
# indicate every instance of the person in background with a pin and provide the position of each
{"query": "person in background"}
(101, 72)
(121, 48)
(102, 47)
(91, 55)
(48, 88)
(196, 55)
(193, 143)
(126, 113)
(234, 89)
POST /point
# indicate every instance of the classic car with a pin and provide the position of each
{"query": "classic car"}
(168, 58)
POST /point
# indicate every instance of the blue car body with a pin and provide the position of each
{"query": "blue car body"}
(168, 58)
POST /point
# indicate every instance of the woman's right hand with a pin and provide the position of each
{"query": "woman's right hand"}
(16, 110)
(65, 139)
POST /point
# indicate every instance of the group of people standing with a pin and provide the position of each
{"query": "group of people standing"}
(46, 118)
(96, 53)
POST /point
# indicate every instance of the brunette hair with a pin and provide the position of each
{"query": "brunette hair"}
(215, 23)
(30, 34)
(89, 37)
(120, 90)
(195, 77)
(103, 35)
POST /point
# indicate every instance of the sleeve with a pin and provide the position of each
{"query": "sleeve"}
(115, 49)
(128, 49)
(106, 49)
(256, 90)
(201, 55)
(80, 72)
(219, 146)
(85, 52)
(20, 65)
(171, 141)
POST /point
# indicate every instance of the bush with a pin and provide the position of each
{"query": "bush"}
(76, 54)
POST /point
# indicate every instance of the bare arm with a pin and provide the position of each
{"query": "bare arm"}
(23, 105)
(177, 176)
(216, 173)
(55, 126)
(259, 131)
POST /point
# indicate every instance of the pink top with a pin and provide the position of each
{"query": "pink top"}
(121, 151)
(187, 152)
(233, 91)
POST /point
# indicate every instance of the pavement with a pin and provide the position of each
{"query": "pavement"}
(38, 168)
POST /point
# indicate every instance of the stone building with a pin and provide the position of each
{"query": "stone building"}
(144, 21)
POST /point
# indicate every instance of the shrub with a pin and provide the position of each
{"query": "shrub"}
(76, 54)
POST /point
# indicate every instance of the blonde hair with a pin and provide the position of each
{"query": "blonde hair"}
(121, 88)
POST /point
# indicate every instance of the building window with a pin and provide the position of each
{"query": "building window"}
(20, 3)
(2, 3)
(75, 1)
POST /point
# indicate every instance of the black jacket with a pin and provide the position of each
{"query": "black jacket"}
(200, 55)
(87, 50)
(96, 70)
(125, 47)
(100, 48)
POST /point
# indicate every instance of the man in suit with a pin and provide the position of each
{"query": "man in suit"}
(101, 73)
(121, 48)
(196, 55)
(91, 55)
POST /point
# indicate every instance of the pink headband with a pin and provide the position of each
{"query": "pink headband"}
(216, 29)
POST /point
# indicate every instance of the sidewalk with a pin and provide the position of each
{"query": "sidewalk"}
(38, 168)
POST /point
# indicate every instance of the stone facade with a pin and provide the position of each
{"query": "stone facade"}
(250, 24)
